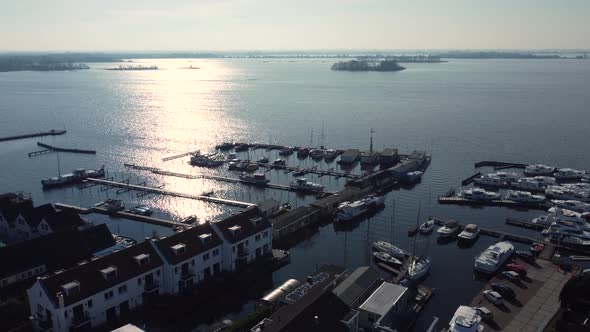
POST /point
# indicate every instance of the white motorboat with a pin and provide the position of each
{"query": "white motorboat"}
(387, 258)
(491, 259)
(490, 181)
(426, 227)
(418, 268)
(478, 194)
(537, 183)
(389, 248)
(258, 179)
(330, 155)
(568, 174)
(470, 232)
(572, 205)
(317, 154)
(263, 160)
(279, 162)
(78, 175)
(113, 205)
(350, 210)
(202, 160)
(524, 197)
(465, 319)
(538, 169)
(286, 151)
(303, 185)
(450, 227)
(413, 177)
(568, 193)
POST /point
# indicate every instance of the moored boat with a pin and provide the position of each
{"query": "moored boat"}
(386, 258)
(303, 185)
(418, 268)
(524, 197)
(491, 259)
(538, 169)
(426, 227)
(389, 248)
(568, 174)
(258, 179)
(448, 229)
(350, 210)
(76, 176)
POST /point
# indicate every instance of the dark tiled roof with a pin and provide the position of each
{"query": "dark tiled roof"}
(12, 204)
(356, 286)
(35, 215)
(64, 219)
(243, 220)
(190, 238)
(91, 279)
(57, 250)
(289, 217)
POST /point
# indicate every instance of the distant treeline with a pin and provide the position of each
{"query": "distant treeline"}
(367, 65)
(496, 55)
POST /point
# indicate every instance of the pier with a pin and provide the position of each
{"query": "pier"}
(525, 224)
(470, 179)
(496, 234)
(180, 155)
(160, 191)
(55, 148)
(212, 177)
(499, 202)
(499, 164)
(52, 132)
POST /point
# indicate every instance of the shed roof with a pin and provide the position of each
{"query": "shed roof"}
(383, 299)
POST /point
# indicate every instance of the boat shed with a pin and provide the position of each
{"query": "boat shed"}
(349, 156)
(294, 220)
(387, 303)
(269, 207)
(389, 157)
(401, 170)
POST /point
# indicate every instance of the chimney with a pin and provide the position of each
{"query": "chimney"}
(60, 299)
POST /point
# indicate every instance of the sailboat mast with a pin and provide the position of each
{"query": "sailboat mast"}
(415, 237)
(311, 138)
(371, 145)
(58, 166)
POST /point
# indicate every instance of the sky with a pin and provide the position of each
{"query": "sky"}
(226, 25)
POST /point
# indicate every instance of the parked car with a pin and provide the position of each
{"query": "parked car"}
(511, 275)
(516, 268)
(504, 290)
(485, 314)
(526, 256)
(493, 296)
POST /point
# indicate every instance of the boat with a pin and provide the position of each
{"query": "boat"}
(568, 174)
(113, 205)
(232, 156)
(465, 319)
(524, 197)
(585, 179)
(330, 155)
(300, 172)
(478, 194)
(286, 151)
(426, 227)
(538, 169)
(497, 179)
(448, 229)
(469, 233)
(568, 193)
(224, 146)
(350, 210)
(491, 259)
(251, 167)
(258, 179)
(233, 164)
(418, 268)
(389, 248)
(317, 154)
(202, 160)
(302, 152)
(77, 176)
(572, 205)
(537, 183)
(303, 185)
(241, 147)
(386, 258)
(141, 210)
(413, 177)
(279, 162)
(263, 160)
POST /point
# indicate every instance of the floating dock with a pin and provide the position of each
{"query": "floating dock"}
(55, 148)
(470, 179)
(499, 164)
(52, 132)
(493, 233)
(161, 191)
(180, 155)
(500, 202)
(525, 224)
(213, 177)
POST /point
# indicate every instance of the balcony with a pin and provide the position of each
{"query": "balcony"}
(151, 287)
(186, 275)
(243, 253)
(81, 322)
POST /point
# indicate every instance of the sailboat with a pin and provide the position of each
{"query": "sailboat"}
(419, 267)
(388, 247)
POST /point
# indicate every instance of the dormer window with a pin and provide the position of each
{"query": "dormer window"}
(205, 238)
(179, 249)
(110, 273)
(256, 221)
(142, 259)
(71, 288)
(235, 230)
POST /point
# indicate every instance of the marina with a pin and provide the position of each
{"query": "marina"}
(52, 132)
(496, 202)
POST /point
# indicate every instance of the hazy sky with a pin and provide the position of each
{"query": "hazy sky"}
(293, 25)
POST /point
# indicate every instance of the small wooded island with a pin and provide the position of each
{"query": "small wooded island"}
(368, 65)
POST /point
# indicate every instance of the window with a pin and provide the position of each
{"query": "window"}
(89, 303)
(122, 289)
(108, 295)
(39, 308)
(139, 281)
(66, 314)
(257, 238)
(193, 262)
(215, 252)
(176, 270)
(29, 274)
(158, 273)
(233, 249)
(206, 256)
(265, 234)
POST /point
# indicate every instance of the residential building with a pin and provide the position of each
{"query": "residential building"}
(189, 257)
(96, 292)
(246, 236)
(269, 207)
(26, 260)
(11, 204)
(293, 220)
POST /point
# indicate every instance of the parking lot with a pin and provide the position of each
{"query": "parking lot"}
(536, 301)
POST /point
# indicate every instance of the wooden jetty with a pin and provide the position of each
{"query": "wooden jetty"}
(489, 163)
(180, 155)
(470, 179)
(212, 177)
(499, 202)
(52, 132)
(525, 224)
(120, 214)
(161, 191)
(494, 233)
(36, 153)
(55, 148)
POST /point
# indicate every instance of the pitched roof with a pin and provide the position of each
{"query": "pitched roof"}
(268, 204)
(193, 244)
(91, 279)
(247, 228)
(287, 218)
(64, 219)
(56, 250)
(355, 286)
(35, 215)
(12, 204)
